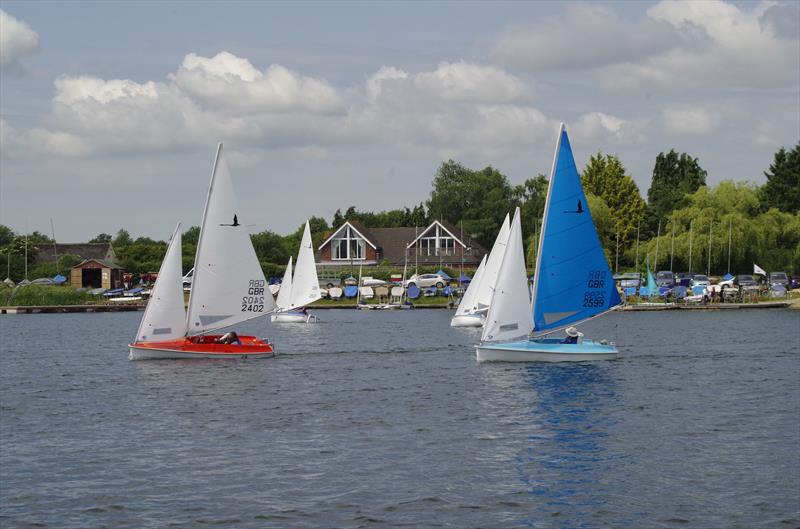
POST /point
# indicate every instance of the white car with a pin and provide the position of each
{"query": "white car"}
(426, 280)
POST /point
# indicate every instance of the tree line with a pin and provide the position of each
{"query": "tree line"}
(682, 223)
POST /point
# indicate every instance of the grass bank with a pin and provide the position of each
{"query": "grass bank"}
(43, 295)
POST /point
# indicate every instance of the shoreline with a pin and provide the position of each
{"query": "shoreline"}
(131, 307)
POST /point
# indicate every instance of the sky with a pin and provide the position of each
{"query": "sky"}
(110, 112)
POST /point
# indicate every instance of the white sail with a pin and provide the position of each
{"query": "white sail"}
(509, 315)
(468, 303)
(228, 286)
(305, 284)
(486, 290)
(165, 317)
(285, 293)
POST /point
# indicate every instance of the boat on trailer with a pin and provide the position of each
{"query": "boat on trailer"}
(228, 288)
(572, 281)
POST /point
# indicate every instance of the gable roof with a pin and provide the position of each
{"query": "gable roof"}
(359, 228)
(100, 250)
(101, 262)
(445, 226)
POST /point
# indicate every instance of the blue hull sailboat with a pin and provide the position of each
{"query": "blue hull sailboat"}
(572, 282)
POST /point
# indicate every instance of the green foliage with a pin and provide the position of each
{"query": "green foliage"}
(192, 235)
(42, 295)
(103, 237)
(604, 176)
(605, 224)
(123, 238)
(782, 190)
(481, 199)
(394, 218)
(6, 235)
(674, 178)
(770, 239)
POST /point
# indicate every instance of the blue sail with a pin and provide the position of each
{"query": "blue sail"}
(573, 281)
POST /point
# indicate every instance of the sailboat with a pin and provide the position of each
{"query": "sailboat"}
(298, 288)
(472, 309)
(228, 287)
(572, 281)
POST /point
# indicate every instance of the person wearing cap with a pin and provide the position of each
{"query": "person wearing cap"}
(572, 335)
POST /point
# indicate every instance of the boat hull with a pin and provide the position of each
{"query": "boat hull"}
(467, 320)
(546, 350)
(292, 317)
(201, 347)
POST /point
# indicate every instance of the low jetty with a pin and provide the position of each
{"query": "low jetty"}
(707, 306)
(55, 309)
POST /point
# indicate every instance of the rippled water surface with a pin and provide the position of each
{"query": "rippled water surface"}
(385, 419)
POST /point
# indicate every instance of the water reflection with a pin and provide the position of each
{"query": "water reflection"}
(567, 460)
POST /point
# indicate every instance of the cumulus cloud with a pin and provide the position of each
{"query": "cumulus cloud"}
(17, 39)
(463, 104)
(722, 45)
(602, 127)
(583, 36)
(688, 120)
(232, 83)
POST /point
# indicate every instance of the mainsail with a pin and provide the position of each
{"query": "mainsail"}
(572, 281)
(495, 259)
(165, 317)
(468, 302)
(285, 293)
(305, 284)
(228, 285)
(509, 314)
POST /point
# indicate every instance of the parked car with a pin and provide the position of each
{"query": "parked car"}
(778, 278)
(187, 279)
(684, 279)
(665, 278)
(794, 282)
(629, 280)
(745, 282)
(426, 280)
(699, 280)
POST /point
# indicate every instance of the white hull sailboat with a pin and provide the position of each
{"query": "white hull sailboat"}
(572, 282)
(228, 288)
(471, 311)
(299, 287)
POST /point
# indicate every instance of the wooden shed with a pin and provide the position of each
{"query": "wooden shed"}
(96, 273)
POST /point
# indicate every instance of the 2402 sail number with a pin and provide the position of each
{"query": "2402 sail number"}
(254, 300)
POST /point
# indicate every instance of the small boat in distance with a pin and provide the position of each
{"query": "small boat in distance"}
(572, 282)
(299, 288)
(228, 287)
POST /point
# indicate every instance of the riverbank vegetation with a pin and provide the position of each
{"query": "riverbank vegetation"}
(683, 224)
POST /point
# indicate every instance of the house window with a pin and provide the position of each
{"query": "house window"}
(348, 246)
(428, 246)
(437, 242)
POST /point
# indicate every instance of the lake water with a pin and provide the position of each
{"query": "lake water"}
(384, 419)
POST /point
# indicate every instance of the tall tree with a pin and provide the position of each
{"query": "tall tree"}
(480, 199)
(604, 176)
(782, 189)
(674, 178)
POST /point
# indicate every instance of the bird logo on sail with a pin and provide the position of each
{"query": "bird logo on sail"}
(235, 221)
(579, 210)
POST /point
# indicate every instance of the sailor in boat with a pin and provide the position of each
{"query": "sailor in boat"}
(230, 338)
(573, 336)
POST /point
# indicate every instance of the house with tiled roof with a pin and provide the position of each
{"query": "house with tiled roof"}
(439, 244)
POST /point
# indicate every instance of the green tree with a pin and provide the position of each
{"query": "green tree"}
(532, 195)
(103, 237)
(674, 177)
(604, 176)
(6, 235)
(480, 199)
(191, 236)
(782, 189)
(123, 238)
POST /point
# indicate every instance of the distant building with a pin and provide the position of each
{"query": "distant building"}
(439, 244)
(46, 253)
(96, 273)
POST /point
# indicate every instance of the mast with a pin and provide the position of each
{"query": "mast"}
(710, 226)
(672, 249)
(26, 257)
(200, 237)
(658, 240)
(616, 257)
(691, 223)
(561, 129)
(730, 227)
(55, 249)
(636, 264)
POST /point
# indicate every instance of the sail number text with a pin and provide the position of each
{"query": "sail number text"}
(254, 300)
(594, 296)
